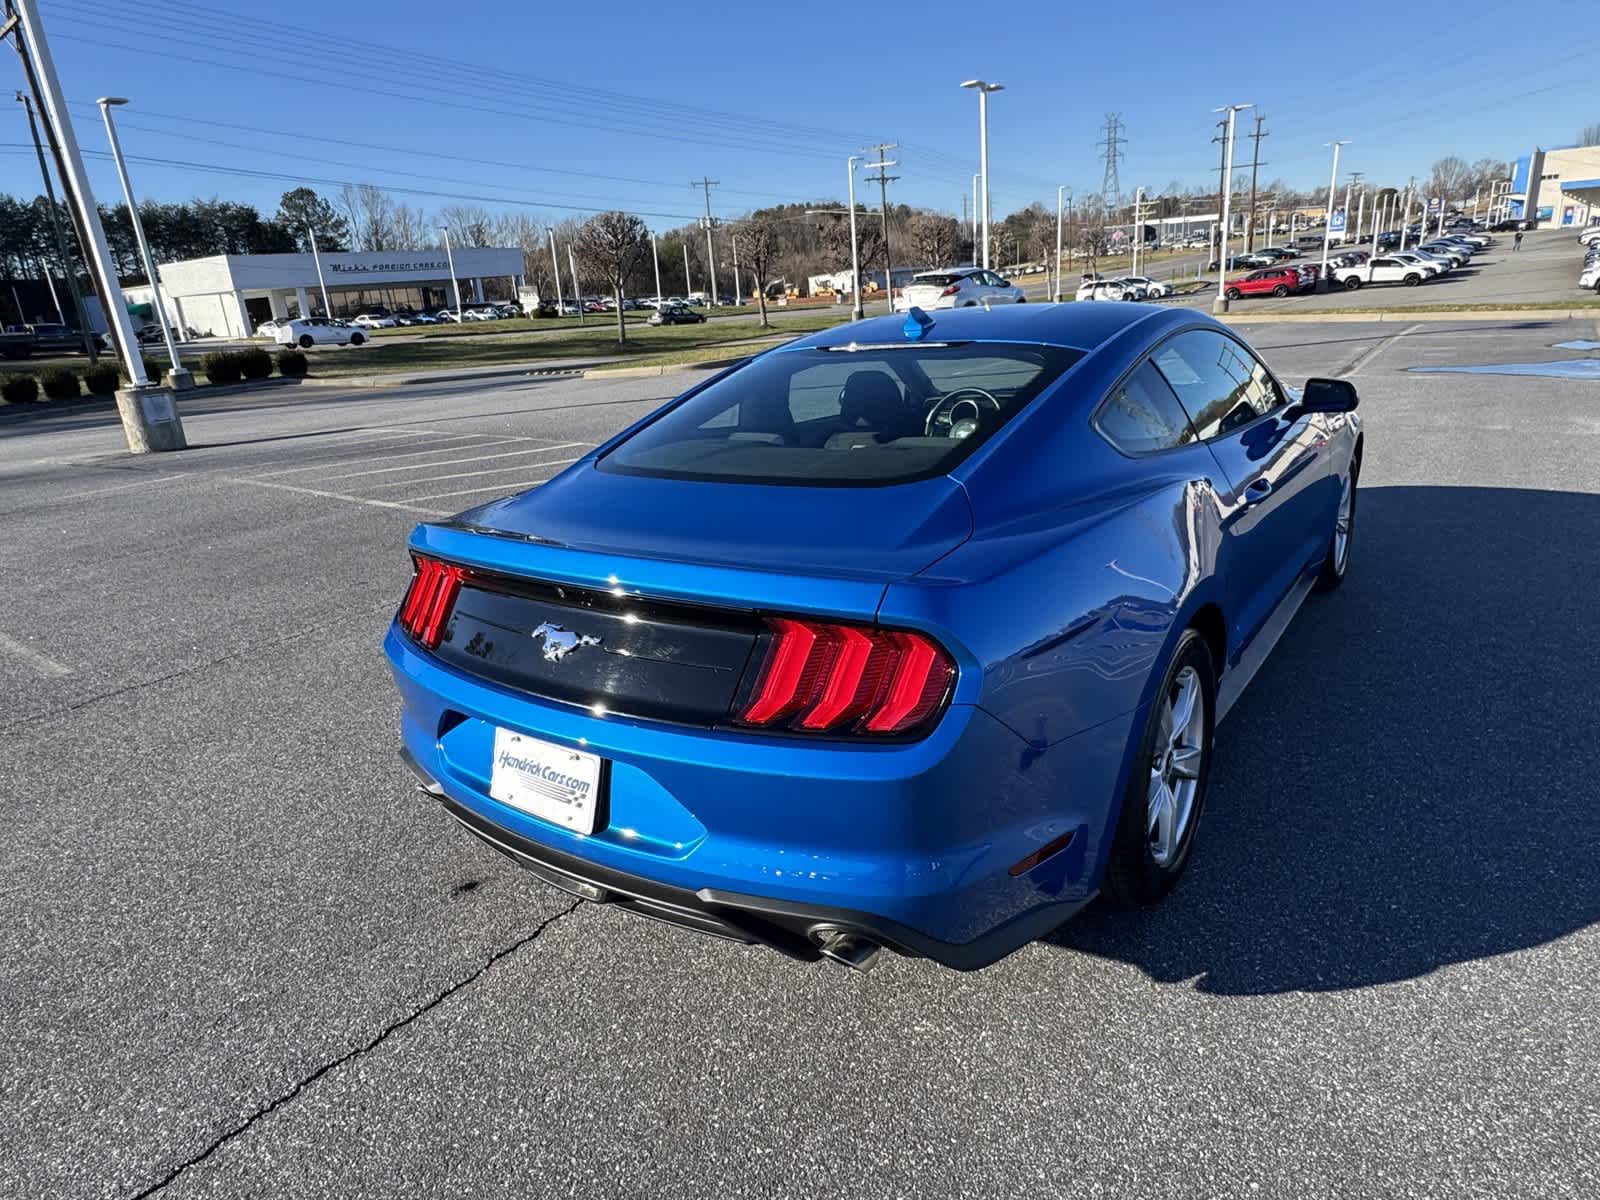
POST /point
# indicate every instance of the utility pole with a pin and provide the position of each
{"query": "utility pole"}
(738, 292)
(89, 344)
(1110, 182)
(1405, 211)
(149, 415)
(1222, 184)
(711, 255)
(883, 180)
(688, 284)
(1255, 165)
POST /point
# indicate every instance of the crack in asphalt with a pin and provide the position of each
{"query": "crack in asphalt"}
(350, 1056)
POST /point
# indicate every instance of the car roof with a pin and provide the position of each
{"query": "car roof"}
(1081, 326)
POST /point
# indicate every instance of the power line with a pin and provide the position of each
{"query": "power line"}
(1255, 165)
(1111, 183)
(883, 180)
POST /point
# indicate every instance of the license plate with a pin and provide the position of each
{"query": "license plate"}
(546, 781)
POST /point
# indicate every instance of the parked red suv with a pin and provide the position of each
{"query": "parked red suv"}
(1273, 281)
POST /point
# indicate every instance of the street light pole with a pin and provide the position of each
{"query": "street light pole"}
(322, 283)
(572, 269)
(178, 376)
(856, 310)
(149, 416)
(555, 267)
(975, 218)
(1327, 221)
(454, 283)
(655, 253)
(983, 88)
(90, 345)
(1138, 230)
(1060, 199)
(1220, 304)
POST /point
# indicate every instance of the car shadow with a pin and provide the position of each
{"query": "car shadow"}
(1409, 781)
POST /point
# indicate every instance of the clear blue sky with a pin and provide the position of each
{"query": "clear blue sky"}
(633, 100)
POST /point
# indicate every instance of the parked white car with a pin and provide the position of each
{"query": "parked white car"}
(319, 331)
(1431, 266)
(1589, 235)
(1154, 289)
(957, 287)
(372, 321)
(1104, 289)
(1591, 276)
(1386, 268)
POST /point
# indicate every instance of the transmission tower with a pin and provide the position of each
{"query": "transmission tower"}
(1111, 185)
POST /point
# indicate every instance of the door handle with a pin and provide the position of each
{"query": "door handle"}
(1258, 491)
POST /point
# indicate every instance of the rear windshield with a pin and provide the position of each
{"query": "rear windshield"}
(943, 279)
(840, 418)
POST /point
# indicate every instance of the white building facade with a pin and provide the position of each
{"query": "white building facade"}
(228, 295)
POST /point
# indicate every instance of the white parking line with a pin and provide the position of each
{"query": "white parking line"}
(504, 487)
(339, 460)
(122, 487)
(305, 491)
(415, 483)
(450, 462)
(44, 665)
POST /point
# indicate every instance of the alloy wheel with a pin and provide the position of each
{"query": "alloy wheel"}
(1175, 768)
(1341, 524)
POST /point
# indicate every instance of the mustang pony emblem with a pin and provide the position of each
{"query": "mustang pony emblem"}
(559, 642)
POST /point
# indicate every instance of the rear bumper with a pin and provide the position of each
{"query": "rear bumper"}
(791, 928)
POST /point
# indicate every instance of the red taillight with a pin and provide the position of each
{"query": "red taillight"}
(951, 290)
(818, 677)
(429, 600)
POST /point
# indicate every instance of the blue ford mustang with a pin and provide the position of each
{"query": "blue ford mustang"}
(911, 634)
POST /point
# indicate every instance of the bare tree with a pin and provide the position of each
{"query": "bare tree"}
(410, 228)
(469, 224)
(612, 243)
(934, 237)
(758, 242)
(369, 212)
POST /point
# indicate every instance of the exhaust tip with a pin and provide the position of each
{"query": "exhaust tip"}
(846, 948)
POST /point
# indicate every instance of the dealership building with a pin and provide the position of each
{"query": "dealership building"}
(1558, 187)
(230, 294)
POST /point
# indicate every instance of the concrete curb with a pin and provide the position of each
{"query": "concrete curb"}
(1337, 317)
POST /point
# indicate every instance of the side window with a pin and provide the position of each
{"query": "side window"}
(1141, 415)
(1212, 376)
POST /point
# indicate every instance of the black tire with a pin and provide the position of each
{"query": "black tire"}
(1336, 566)
(1352, 283)
(1231, 293)
(1022, 299)
(307, 341)
(356, 339)
(1280, 291)
(1133, 877)
(1413, 280)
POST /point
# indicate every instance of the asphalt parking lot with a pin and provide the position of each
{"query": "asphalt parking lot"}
(243, 957)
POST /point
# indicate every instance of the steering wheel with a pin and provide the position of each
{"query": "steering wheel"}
(950, 413)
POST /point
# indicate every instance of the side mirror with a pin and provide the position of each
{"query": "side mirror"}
(1329, 396)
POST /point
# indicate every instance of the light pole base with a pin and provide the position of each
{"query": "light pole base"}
(150, 420)
(1219, 305)
(181, 379)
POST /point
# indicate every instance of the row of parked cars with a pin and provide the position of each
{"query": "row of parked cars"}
(1589, 239)
(1122, 287)
(1352, 269)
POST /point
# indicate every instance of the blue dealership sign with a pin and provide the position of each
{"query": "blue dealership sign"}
(1336, 222)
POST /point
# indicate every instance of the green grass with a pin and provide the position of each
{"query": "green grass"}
(594, 341)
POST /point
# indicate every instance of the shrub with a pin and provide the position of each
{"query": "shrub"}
(291, 363)
(59, 383)
(102, 379)
(19, 389)
(222, 366)
(255, 363)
